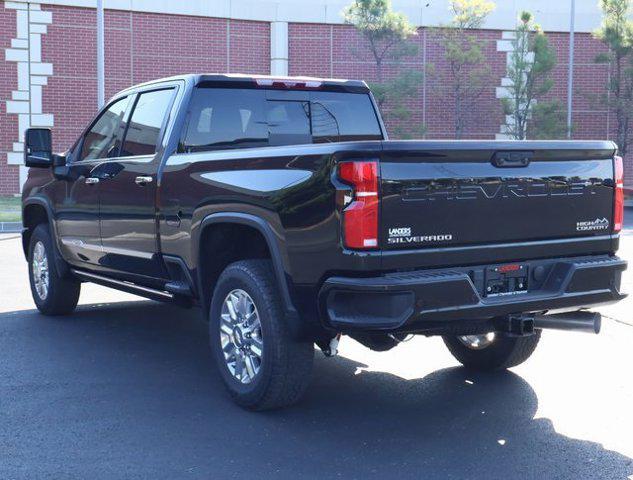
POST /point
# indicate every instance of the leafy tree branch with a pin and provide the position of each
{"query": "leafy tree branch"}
(387, 34)
(469, 71)
(529, 71)
(616, 32)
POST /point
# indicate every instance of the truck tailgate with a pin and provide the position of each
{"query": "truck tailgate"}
(468, 193)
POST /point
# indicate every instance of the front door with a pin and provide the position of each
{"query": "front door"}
(77, 207)
(128, 194)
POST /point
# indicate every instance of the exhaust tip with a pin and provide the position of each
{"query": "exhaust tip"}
(580, 321)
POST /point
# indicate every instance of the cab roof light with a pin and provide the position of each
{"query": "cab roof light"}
(288, 83)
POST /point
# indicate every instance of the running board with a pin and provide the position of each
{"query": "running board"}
(128, 287)
(178, 288)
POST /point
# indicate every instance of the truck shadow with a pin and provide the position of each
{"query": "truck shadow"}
(454, 423)
(153, 388)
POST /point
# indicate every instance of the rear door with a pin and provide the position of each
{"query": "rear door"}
(128, 189)
(473, 193)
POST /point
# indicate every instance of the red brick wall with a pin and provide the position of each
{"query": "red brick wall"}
(590, 116)
(8, 123)
(485, 116)
(138, 47)
(143, 46)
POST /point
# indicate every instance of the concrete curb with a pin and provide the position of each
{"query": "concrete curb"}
(10, 227)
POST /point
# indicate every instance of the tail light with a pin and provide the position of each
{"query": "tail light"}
(618, 203)
(360, 216)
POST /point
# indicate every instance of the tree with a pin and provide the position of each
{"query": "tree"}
(385, 30)
(529, 71)
(616, 32)
(469, 72)
(387, 33)
(548, 121)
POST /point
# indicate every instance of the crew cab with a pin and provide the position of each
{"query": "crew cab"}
(280, 207)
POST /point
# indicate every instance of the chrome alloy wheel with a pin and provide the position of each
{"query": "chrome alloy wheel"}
(477, 342)
(39, 265)
(241, 336)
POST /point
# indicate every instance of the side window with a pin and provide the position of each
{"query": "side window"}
(101, 139)
(145, 123)
(226, 118)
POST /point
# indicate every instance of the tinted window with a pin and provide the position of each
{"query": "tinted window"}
(145, 123)
(222, 118)
(238, 118)
(288, 122)
(101, 139)
(338, 117)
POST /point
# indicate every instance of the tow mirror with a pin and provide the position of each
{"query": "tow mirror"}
(38, 148)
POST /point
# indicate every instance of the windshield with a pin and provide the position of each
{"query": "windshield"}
(221, 118)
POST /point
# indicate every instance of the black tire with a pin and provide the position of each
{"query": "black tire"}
(62, 293)
(504, 351)
(286, 364)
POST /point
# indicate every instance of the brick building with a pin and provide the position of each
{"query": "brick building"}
(48, 76)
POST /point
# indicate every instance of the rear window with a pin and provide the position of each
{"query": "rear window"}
(145, 123)
(221, 118)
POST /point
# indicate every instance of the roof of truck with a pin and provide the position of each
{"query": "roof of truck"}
(261, 80)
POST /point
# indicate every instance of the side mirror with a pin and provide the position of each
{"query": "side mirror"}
(38, 148)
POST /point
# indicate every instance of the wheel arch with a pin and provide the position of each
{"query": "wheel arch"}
(263, 228)
(37, 211)
(34, 213)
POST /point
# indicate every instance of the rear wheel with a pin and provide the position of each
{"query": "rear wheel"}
(262, 366)
(52, 293)
(491, 351)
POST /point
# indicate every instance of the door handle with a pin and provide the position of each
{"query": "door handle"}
(143, 180)
(92, 181)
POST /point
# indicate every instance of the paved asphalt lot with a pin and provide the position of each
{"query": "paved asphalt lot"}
(125, 389)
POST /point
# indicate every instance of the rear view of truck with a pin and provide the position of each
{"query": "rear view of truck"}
(280, 207)
(479, 240)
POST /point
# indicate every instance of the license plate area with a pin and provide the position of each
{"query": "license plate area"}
(509, 279)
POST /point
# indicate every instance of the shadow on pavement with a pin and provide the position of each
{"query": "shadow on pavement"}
(126, 389)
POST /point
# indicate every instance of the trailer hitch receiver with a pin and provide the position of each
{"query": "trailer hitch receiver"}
(516, 325)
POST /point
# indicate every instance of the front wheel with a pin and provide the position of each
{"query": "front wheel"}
(52, 293)
(262, 366)
(491, 351)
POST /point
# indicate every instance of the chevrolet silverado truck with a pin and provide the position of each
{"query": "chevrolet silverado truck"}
(281, 209)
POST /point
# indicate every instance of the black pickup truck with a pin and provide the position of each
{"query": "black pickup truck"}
(279, 206)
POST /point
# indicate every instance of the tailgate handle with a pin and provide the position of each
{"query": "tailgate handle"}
(511, 159)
